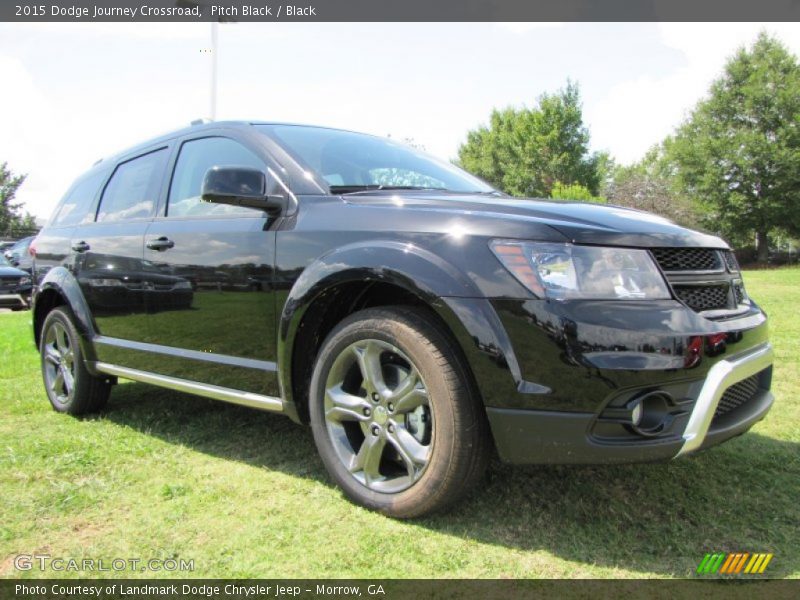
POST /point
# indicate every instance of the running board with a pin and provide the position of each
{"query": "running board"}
(215, 392)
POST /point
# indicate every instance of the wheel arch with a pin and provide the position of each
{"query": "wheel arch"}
(60, 288)
(351, 279)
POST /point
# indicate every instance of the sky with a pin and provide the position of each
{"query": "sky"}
(76, 92)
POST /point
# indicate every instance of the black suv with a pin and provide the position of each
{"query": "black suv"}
(414, 316)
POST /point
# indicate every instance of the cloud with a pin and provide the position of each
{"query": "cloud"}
(640, 112)
(25, 110)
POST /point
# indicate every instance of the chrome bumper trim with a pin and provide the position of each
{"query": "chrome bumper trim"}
(720, 377)
(192, 387)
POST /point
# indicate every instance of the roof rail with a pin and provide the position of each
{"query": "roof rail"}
(201, 121)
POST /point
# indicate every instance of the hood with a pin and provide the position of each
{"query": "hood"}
(579, 222)
(12, 272)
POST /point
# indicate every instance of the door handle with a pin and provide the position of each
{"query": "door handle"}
(80, 246)
(160, 244)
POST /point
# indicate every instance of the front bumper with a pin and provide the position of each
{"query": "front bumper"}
(720, 378)
(13, 301)
(558, 380)
(527, 437)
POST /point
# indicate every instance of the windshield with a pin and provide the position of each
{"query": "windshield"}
(352, 162)
(20, 248)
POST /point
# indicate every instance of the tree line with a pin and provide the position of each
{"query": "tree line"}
(732, 167)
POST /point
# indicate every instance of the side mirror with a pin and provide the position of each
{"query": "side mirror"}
(240, 186)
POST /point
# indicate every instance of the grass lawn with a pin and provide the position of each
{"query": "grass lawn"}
(242, 493)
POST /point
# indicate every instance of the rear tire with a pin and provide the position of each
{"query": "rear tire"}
(70, 387)
(395, 415)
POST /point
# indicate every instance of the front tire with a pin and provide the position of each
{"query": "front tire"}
(394, 413)
(70, 387)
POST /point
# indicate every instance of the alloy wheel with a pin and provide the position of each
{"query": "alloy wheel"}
(378, 416)
(59, 363)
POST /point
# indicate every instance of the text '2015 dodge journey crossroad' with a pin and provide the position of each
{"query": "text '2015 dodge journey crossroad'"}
(414, 316)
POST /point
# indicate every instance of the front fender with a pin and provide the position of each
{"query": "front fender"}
(61, 281)
(446, 289)
(412, 268)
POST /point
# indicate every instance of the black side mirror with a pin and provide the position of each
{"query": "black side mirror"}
(240, 186)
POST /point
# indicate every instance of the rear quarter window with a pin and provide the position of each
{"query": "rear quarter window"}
(76, 208)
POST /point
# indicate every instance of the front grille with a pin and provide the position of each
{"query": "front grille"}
(687, 259)
(703, 297)
(8, 283)
(737, 395)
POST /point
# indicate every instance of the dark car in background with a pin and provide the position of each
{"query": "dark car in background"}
(15, 286)
(19, 254)
(122, 285)
(414, 316)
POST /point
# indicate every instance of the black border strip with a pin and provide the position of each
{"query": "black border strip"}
(389, 589)
(401, 10)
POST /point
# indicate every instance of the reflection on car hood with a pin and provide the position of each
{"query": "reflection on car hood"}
(580, 222)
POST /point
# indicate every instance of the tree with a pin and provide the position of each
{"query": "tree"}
(525, 151)
(606, 168)
(651, 185)
(738, 154)
(10, 218)
(574, 191)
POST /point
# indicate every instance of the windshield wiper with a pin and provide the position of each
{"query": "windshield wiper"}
(355, 189)
(496, 193)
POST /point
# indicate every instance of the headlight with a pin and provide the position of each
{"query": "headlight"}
(102, 282)
(564, 271)
(24, 281)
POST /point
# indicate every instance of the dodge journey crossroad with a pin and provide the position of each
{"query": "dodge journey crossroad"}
(418, 319)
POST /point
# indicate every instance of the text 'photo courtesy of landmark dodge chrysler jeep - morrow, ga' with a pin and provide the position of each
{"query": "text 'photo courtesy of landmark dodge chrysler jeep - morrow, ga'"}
(418, 319)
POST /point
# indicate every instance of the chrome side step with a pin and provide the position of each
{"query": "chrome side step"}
(215, 392)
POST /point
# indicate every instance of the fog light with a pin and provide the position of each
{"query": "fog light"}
(650, 413)
(636, 413)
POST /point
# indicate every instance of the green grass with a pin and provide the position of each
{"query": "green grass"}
(242, 493)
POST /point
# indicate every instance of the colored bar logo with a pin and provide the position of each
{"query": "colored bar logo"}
(734, 563)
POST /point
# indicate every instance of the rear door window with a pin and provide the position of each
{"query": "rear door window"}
(132, 191)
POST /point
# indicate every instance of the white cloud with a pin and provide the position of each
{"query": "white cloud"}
(25, 114)
(638, 113)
